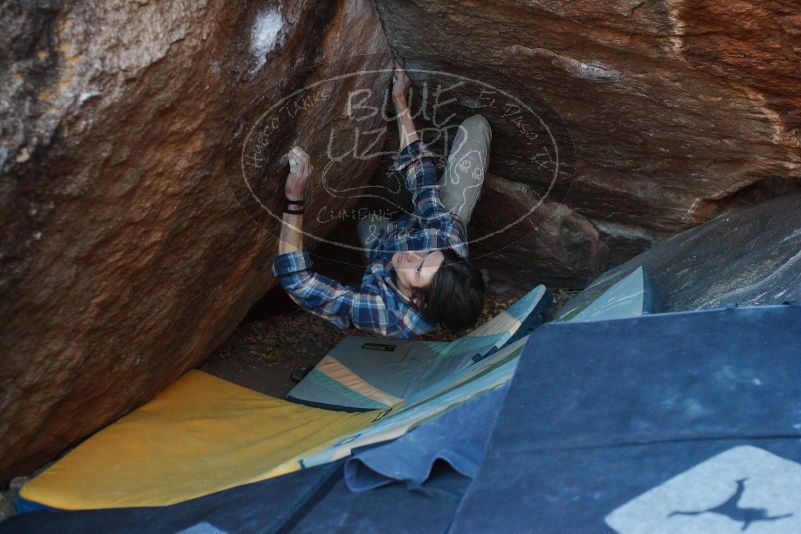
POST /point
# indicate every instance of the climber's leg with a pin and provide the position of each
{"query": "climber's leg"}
(460, 185)
(368, 230)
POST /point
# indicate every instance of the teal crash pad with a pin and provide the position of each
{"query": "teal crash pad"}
(363, 373)
(637, 294)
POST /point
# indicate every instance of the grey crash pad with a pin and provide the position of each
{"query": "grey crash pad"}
(749, 256)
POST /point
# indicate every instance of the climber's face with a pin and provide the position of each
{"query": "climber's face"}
(415, 269)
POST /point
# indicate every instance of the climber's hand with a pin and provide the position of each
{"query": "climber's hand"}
(400, 84)
(300, 168)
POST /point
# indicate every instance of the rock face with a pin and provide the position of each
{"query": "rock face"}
(521, 241)
(664, 112)
(141, 169)
(139, 159)
(749, 256)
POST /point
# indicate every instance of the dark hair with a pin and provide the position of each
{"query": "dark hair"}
(455, 297)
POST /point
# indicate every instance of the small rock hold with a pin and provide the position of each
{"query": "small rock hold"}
(87, 95)
(24, 155)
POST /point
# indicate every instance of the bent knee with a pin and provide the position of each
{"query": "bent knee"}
(477, 122)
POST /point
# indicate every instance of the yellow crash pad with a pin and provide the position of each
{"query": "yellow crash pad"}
(200, 435)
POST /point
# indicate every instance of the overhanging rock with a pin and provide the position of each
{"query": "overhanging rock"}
(749, 256)
(521, 239)
(663, 113)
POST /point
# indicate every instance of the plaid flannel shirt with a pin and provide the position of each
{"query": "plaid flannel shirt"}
(378, 306)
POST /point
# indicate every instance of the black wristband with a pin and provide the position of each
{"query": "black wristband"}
(288, 206)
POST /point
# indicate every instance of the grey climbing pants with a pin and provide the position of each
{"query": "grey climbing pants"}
(460, 184)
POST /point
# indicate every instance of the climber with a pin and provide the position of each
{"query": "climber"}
(418, 275)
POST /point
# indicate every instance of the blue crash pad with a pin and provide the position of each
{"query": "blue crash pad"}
(312, 500)
(672, 422)
(457, 437)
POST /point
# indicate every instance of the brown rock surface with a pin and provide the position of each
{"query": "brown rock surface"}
(670, 109)
(138, 157)
(126, 253)
(522, 242)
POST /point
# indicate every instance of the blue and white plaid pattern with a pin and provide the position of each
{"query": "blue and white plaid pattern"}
(378, 306)
(431, 226)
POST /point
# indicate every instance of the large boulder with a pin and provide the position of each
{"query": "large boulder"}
(664, 113)
(522, 241)
(139, 165)
(746, 257)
